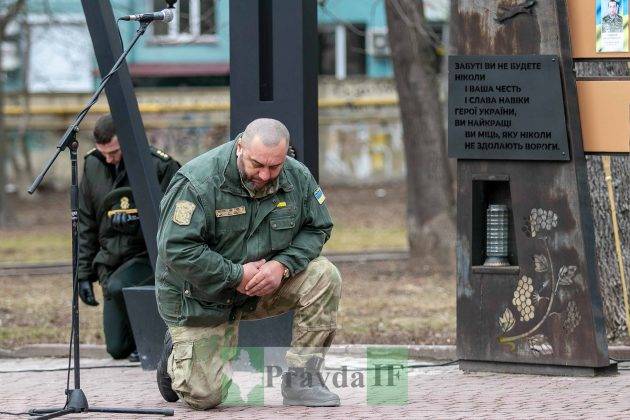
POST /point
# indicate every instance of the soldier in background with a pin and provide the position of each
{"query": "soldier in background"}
(111, 246)
(612, 22)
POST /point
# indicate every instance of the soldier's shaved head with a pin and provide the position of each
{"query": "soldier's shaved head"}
(261, 152)
(271, 132)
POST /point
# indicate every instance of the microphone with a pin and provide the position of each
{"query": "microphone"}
(166, 15)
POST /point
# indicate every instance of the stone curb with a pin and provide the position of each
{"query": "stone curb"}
(97, 351)
(92, 351)
(418, 351)
(619, 352)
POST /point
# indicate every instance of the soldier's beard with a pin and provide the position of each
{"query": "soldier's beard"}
(249, 184)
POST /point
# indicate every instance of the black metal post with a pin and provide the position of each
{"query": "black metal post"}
(124, 109)
(273, 73)
(273, 69)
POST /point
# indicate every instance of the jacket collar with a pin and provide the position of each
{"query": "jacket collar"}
(116, 173)
(232, 179)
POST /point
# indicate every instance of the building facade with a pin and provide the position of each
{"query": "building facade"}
(181, 74)
(194, 49)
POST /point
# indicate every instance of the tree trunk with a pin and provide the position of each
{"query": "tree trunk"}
(26, 103)
(4, 214)
(429, 180)
(607, 258)
(9, 13)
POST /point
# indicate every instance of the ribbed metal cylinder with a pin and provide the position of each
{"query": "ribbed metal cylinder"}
(497, 235)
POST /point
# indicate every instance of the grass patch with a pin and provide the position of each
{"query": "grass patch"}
(55, 245)
(356, 239)
(20, 247)
(364, 221)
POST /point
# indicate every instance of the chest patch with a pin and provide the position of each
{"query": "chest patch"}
(183, 212)
(230, 212)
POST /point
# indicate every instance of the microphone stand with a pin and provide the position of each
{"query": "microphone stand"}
(76, 402)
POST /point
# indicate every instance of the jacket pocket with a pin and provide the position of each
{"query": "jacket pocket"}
(281, 232)
(202, 313)
(182, 351)
(169, 300)
(182, 365)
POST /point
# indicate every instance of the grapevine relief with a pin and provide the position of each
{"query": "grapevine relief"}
(536, 304)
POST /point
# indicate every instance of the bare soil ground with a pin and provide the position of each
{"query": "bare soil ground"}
(383, 302)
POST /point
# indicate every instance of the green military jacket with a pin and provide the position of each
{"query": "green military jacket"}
(103, 191)
(210, 226)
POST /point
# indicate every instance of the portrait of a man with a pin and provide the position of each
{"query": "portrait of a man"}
(611, 25)
(613, 21)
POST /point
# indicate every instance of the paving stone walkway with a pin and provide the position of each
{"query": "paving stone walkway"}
(435, 392)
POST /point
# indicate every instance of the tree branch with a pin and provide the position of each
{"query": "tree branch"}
(12, 11)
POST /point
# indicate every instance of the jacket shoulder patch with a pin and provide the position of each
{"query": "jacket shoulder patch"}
(319, 195)
(183, 212)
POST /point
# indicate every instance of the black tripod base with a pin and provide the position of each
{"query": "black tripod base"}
(77, 403)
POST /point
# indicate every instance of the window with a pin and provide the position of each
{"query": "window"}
(195, 21)
(355, 49)
(342, 50)
(327, 50)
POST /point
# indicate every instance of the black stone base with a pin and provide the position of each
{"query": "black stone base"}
(273, 334)
(146, 324)
(534, 369)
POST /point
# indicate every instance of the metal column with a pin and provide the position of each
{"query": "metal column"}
(273, 73)
(124, 109)
(273, 69)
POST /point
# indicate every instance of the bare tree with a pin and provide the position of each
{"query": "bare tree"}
(9, 10)
(27, 169)
(430, 208)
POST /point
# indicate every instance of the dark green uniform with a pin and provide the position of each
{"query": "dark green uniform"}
(115, 258)
(210, 225)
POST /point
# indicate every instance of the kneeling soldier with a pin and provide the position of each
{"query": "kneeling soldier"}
(240, 234)
(111, 245)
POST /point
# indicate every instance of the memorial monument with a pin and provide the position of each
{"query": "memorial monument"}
(528, 297)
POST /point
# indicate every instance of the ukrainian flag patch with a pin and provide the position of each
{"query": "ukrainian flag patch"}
(319, 195)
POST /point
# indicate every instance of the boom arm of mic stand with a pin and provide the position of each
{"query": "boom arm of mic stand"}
(70, 133)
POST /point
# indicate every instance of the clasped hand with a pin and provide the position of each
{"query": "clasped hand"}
(261, 278)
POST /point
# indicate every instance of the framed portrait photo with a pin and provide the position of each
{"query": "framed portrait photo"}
(611, 25)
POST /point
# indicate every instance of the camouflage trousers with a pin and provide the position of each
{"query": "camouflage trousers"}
(199, 365)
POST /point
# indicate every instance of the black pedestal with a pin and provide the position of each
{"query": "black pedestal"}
(537, 369)
(146, 323)
(273, 334)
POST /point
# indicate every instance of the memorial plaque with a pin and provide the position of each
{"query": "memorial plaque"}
(506, 107)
